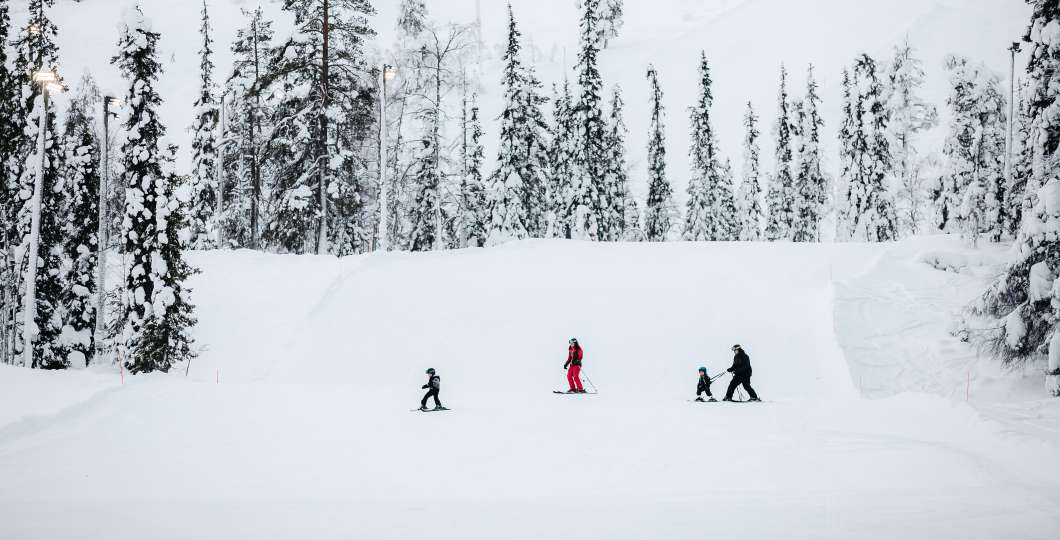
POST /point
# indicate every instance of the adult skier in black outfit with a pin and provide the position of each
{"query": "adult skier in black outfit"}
(433, 387)
(741, 374)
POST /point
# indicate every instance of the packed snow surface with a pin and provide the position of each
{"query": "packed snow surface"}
(295, 421)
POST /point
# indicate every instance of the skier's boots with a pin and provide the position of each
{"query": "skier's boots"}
(439, 408)
(424, 408)
(701, 400)
(712, 400)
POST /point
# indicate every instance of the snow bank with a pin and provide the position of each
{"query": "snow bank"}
(295, 420)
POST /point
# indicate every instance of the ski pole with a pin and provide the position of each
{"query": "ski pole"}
(590, 381)
(718, 376)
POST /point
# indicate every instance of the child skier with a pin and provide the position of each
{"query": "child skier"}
(573, 365)
(704, 386)
(433, 386)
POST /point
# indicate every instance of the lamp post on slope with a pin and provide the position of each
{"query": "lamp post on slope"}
(49, 82)
(1015, 48)
(384, 190)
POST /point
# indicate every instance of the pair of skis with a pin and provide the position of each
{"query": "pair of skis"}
(569, 393)
(440, 409)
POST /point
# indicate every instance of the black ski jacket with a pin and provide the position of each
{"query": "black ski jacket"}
(741, 364)
(435, 383)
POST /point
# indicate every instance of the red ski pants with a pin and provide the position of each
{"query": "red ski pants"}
(573, 380)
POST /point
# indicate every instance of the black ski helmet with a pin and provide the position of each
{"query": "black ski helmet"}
(736, 347)
(430, 371)
(702, 369)
(573, 341)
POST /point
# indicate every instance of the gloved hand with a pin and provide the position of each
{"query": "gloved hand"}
(425, 386)
(729, 370)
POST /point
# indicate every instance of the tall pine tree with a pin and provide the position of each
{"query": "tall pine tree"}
(12, 138)
(37, 51)
(781, 193)
(749, 200)
(811, 184)
(204, 178)
(1025, 299)
(659, 208)
(517, 187)
(868, 209)
(709, 215)
(158, 314)
(474, 207)
(322, 74)
(82, 158)
(590, 170)
(562, 189)
(973, 186)
(909, 115)
(618, 192)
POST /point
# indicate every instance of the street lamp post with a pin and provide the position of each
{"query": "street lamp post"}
(101, 231)
(387, 73)
(1015, 48)
(221, 175)
(49, 82)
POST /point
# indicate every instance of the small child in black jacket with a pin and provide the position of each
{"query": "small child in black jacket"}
(704, 386)
(433, 387)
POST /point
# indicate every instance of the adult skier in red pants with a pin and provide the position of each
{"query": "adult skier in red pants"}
(573, 365)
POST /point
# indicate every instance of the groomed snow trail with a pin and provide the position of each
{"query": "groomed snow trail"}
(309, 434)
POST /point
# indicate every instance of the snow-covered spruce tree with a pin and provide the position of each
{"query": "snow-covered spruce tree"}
(37, 50)
(412, 17)
(780, 196)
(562, 190)
(81, 152)
(474, 208)
(709, 215)
(249, 115)
(749, 198)
(909, 116)
(868, 208)
(616, 170)
(517, 187)
(727, 200)
(322, 74)
(811, 184)
(157, 312)
(204, 144)
(609, 14)
(12, 144)
(973, 186)
(1026, 298)
(848, 126)
(659, 208)
(591, 222)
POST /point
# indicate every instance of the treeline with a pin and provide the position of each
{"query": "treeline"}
(292, 148)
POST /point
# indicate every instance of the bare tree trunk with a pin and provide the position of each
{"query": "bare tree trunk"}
(322, 137)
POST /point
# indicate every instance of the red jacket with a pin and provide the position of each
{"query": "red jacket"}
(574, 356)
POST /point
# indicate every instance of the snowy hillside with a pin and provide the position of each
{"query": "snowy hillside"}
(745, 40)
(295, 421)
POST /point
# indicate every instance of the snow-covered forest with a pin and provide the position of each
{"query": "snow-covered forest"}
(176, 196)
(319, 137)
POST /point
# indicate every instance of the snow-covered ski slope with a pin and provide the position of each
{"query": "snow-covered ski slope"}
(295, 421)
